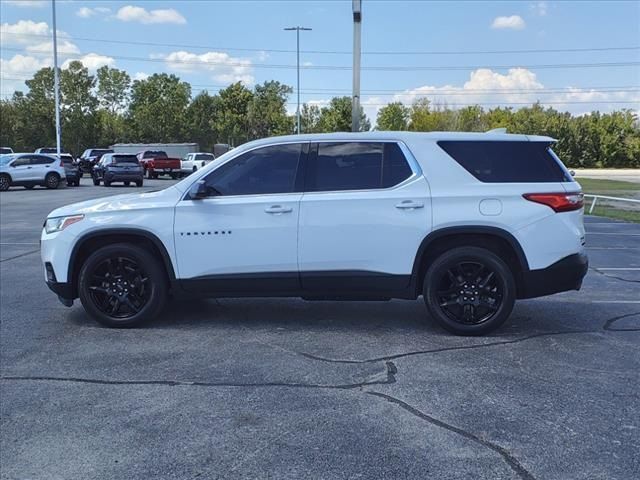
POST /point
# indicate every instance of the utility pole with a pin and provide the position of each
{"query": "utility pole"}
(298, 29)
(56, 79)
(355, 98)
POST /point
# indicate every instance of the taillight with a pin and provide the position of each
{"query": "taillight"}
(559, 202)
(61, 163)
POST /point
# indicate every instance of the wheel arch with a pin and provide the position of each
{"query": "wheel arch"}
(91, 241)
(494, 239)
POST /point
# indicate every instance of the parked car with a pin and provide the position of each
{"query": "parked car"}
(30, 169)
(71, 170)
(5, 150)
(193, 161)
(49, 150)
(470, 221)
(118, 167)
(156, 162)
(90, 157)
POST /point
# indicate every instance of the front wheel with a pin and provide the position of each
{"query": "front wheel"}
(96, 181)
(126, 184)
(138, 183)
(107, 183)
(469, 291)
(122, 285)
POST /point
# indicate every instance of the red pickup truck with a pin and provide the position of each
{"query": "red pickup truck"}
(156, 162)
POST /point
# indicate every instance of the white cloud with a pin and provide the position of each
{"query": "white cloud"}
(514, 22)
(86, 12)
(539, 8)
(221, 66)
(92, 61)
(33, 37)
(19, 67)
(518, 86)
(26, 3)
(65, 47)
(140, 76)
(131, 13)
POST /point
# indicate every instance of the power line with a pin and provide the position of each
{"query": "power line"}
(339, 52)
(393, 68)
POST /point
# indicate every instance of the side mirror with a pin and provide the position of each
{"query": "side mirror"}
(572, 173)
(198, 191)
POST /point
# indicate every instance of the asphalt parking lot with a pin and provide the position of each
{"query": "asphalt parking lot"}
(284, 388)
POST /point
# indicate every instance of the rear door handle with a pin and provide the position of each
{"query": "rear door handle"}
(278, 209)
(409, 205)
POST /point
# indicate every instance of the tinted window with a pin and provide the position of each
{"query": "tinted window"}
(155, 154)
(48, 150)
(67, 159)
(41, 160)
(346, 166)
(260, 171)
(501, 162)
(395, 168)
(204, 156)
(4, 150)
(357, 166)
(124, 159)
(21, 161)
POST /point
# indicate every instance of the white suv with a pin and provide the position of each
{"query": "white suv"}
(30, 169)
(192, 162)
(470, 221)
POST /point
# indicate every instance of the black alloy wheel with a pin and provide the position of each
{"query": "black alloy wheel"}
(5, 182)
(122, 285)
(51, 181)
(469, 290)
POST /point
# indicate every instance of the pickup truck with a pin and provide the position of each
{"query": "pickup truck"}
(90, 157)
(157, 162)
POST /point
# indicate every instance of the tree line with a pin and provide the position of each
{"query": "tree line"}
(109, 107)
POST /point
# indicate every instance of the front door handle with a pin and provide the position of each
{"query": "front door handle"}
(409, 205)
(278, 209)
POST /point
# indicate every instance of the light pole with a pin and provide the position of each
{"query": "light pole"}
(355, 99)
(298, 29)
(56, 79)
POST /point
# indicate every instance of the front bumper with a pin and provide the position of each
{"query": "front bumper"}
(566, 274)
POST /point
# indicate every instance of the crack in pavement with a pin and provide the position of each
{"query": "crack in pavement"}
(391, 370)
(504, 453)
(613, 276)
(611, 321)
(19, 256)
(396, 356)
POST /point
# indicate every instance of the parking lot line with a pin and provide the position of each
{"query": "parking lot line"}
(18, 243)
(615, 301)
(617, 268)
(615, 233)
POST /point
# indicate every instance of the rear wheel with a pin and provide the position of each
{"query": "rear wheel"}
(469, 291)
(139, 183)
(126, 184)
(122, 285)
(96, 181)
(51, 181)
(149, 174)
(5, 182)
(107, 183)
(174, 176)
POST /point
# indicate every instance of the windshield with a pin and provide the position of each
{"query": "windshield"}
(125, 159)
(48, 150)
(99, 153)
(204, 156)
(66, 159)
(4, 150)
(4, 159)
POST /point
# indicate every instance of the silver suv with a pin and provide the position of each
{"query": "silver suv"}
(30, 169)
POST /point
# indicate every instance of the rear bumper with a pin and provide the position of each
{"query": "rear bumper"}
(564, 275)
(123, 177)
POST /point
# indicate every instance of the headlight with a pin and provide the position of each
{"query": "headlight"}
(58, 224)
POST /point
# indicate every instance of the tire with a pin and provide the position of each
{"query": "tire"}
(29, 187)
(77, 184)
(96, 181)
(174, 176)
(155, 176)
(149, 174)
(113, 303)
(126, 184)
(5, 182)
(107, 183)
(52, 181)
(70, 184)
(469, 291)
(138, 183)
(194, 169)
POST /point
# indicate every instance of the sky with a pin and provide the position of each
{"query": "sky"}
(575, 56)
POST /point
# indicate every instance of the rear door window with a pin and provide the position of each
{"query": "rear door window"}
(506, 162)
(356, 166)
(41, 160)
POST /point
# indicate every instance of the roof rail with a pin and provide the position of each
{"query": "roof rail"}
(497, 130)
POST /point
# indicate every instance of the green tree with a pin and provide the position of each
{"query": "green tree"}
(267, 111)
(37, 111)
(336, 117)
(113, 93)
(394, 116)
(200, 120)
(309, 118)
(78, 107)
(158, 108)
(231, 122)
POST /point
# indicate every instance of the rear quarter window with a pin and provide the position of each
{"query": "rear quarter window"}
(506, 162)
